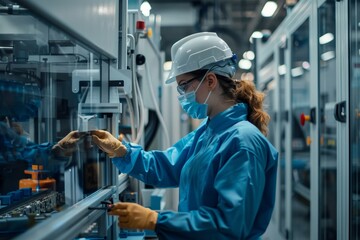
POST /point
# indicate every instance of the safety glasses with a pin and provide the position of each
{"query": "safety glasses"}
(184, 86)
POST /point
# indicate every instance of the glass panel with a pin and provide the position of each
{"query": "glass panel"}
(300, 87)
(281, 73)
(354, 114)
(327, 122)
(267, 84)
(43, 97)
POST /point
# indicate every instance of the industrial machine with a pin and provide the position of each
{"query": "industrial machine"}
(66, 66)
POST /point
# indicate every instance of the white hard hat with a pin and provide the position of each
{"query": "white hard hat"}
(197, 51)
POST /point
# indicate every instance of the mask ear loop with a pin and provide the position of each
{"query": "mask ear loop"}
(207, 97)
(213, 67)
(202, 79)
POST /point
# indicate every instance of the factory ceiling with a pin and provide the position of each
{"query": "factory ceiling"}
(233, 20)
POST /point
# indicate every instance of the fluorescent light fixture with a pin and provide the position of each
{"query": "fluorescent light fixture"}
(6, 47)
(167, 65)
(269, 9)
(328, 55)
(249, 55)
(306, 65)
(245, 64)
(145, 8)
(297, 72)
(282, 70)
(326, 38)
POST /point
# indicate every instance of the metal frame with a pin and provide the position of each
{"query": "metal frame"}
(288, 136)
(342, 80)
(277, 138)
(314, 128)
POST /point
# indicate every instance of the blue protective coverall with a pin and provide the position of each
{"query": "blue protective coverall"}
(226, 174)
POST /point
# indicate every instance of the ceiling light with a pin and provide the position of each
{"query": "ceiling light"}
(306, 65)
(256, 34)
(167, 65)
(269, 9)
(145, 8)
(297, 72)
(244, 64)
(249, 55)
(282, 70)
(104, 10)
(247, 76)
(328, 55)
(326, 38)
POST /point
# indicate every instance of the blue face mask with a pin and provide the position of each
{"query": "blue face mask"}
(191, 106)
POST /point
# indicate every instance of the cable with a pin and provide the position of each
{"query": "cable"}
(133, 70)
(157, 109)
(141, 116)
(151, 128)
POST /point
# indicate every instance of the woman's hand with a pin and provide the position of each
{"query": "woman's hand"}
(108, 143)
(134, 216)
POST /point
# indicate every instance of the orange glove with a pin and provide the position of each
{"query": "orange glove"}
(134, 216)
(67, 145)
(108, 143)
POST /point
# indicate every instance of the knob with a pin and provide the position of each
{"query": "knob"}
(304, 118)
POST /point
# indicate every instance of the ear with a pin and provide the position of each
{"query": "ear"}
(212, 81)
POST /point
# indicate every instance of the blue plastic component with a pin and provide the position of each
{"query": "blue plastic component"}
(26, 191)
(16, 195)
(131, 235)
(19, 194)
(156, 198)
(6, 199)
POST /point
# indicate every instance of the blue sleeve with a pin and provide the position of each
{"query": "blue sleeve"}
(157, 168)
(240, 185)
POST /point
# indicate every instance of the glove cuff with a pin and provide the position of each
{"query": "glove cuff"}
(152, 219)
(120, 151)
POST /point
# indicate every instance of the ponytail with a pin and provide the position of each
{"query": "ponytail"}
(245, 91)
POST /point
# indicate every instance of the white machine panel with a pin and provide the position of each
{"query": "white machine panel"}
(94, 22)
